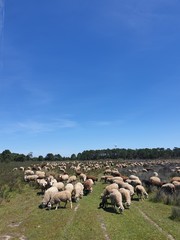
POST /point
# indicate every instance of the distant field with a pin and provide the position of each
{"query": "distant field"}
(22, 219)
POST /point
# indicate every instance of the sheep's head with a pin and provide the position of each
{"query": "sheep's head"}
(49, 205)
(127, 205)
(42, 205)
(121, 209)
(146, 195)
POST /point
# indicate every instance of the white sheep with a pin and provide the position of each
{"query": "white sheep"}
(118, 178)
(116, 200)
(64, 177)
(78, 191)
(48, 195)
(109, 188)
(154, 179)
(69, 187)
(57, 198)
(40, 174)
(126, 186)
(42, 183)
(134, 182)
(71, 179)
(133, 177)
(126, 197)
(59, 185)
(28, 172)
(29, 178)
(82, 177)
(141, 192)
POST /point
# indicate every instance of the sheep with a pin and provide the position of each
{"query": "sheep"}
(177, 179)
(126, 197)
(133, 177)
(69, 187)
(155, 174)
(88, 186)
(40, 174)
(109, 188)
(28, 172)
(78, 191)
(168, 188)
(82, 177)
(118, 178)
(105, 177)
(141, 192)
(134, 182)
(71, 179)
(119, 182)
(52, 181)
(59, 185)
(63, 177)
(115, 173)
(154, 179)
(112, 179)
(107, 171)
(29, 178)
(42, 183)
(57, 198)
(126, 186)
(21, 168)
(47, 196)
(116, 200)
(176, 183)
(95, 179)
(15, 169)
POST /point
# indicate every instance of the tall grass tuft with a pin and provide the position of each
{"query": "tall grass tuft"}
(10, 182)
(169, 199)
(175, 215)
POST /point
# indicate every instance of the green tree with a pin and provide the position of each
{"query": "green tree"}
(49, 157)
(6, 156)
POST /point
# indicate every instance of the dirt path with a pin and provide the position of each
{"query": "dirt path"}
(68, 224)
(169, 236)
(103, 227)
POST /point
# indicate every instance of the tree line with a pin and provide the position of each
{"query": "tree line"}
(115, 153)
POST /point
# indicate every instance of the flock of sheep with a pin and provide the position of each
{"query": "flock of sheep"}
(119, 189)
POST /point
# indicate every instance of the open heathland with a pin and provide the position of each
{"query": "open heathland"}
(21, 217)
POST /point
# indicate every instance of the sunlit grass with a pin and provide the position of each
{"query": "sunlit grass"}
(22, 217)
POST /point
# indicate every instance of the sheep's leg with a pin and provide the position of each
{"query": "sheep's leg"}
(57, 206)
(71, 204)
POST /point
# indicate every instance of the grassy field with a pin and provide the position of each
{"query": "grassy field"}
(22, 219)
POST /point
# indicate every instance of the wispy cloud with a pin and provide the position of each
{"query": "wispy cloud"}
(34, 127)
(105, 123)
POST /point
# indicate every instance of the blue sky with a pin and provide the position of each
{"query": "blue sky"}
(81, 75)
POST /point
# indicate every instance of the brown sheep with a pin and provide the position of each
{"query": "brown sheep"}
(95, 179)
(88, 186)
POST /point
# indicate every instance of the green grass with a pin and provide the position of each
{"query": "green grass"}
(86, 222)
(22, 217)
